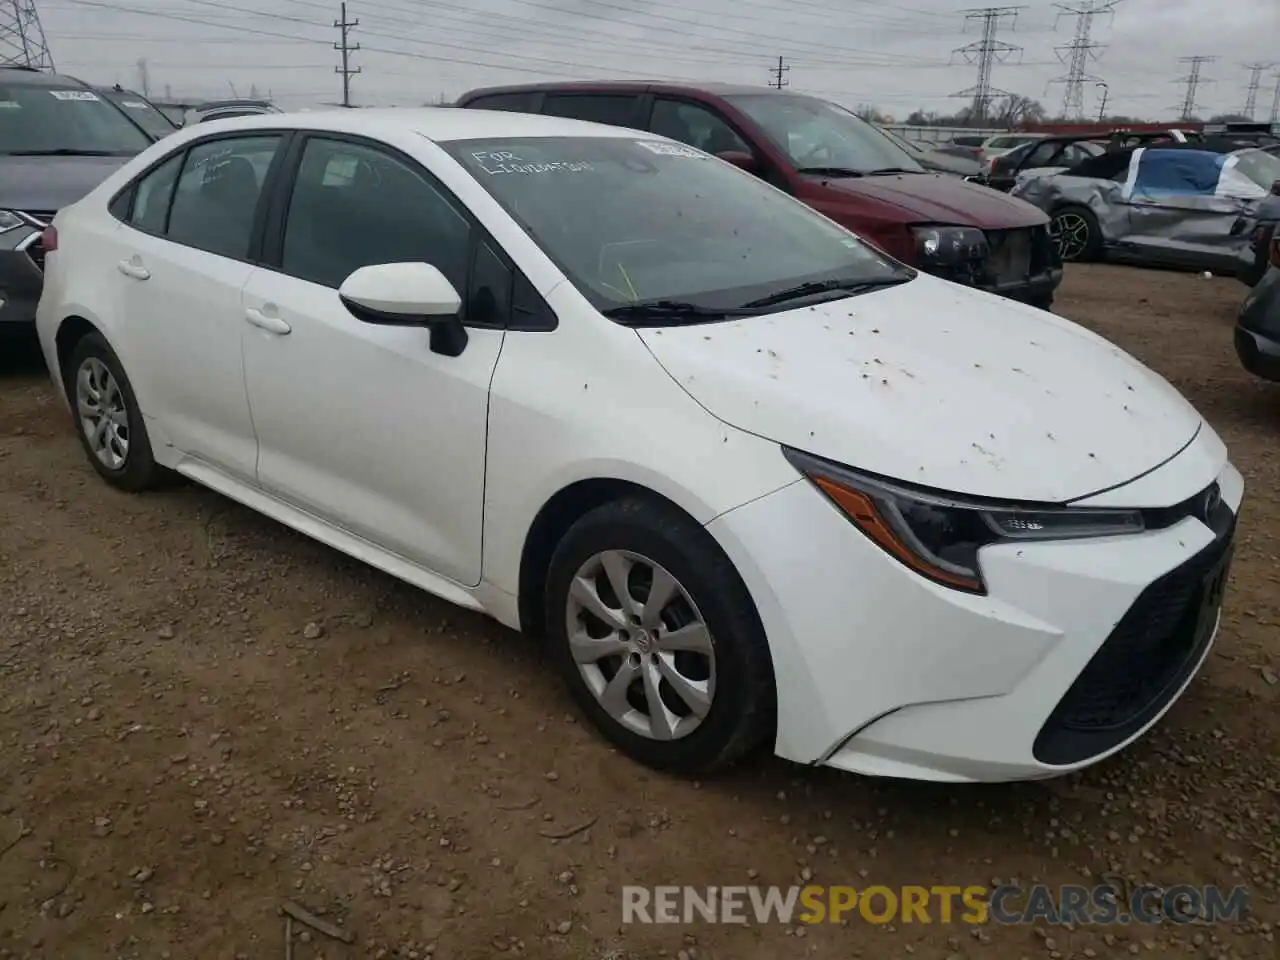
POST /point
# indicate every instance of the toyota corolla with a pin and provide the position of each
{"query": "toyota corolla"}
(754, 481)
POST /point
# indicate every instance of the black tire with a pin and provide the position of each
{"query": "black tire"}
(741, 714)
(1083, 248)
(139, 471)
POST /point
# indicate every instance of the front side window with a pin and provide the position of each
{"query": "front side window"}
(823, 137)
(639, 220)
(217, 194)
(1259, 166)
(45, 120)
(515, 102)
(354, 206)
(695, 125)
(141, 112)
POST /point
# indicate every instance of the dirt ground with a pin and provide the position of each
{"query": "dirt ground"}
(203, 715)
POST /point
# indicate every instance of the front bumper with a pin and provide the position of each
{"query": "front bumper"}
(1257, 333)
(1022, 265)
(21, 278)
(881, 672)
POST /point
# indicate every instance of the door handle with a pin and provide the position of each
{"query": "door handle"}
(264, 321)
(134, 268)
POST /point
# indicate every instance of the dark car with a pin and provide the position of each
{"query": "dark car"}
(154, 122)
(58, 140)
(1262, 230)
(837, 163)
(1257, 335)
(1047, 154)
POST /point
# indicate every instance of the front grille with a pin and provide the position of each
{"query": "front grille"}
(1149, 654)
(1018, 255)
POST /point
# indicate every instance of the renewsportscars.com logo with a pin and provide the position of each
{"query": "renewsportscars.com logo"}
(814, 904)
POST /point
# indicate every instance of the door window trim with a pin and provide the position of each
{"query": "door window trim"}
(276, 212)
(254, 256)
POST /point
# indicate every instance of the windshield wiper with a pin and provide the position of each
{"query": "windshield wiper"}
(62, 152)
(884, 171)
(673, 310)
(832, 171)
(814, 288)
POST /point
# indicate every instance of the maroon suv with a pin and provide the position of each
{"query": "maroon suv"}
(838, 164)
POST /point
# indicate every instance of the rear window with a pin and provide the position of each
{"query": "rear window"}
(40, 120)
(634, 220)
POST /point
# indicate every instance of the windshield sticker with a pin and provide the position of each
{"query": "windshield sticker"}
(10, 105)
(135, 104)
(73, 95)
(497, 162)
(671, 149)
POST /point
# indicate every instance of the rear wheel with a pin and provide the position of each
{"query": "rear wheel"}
(106, 412)
(658, 639)
(1076, 234)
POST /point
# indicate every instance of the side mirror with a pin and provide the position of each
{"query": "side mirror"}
(741, 160)
(407, 295)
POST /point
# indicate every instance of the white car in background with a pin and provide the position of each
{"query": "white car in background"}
(755, 482)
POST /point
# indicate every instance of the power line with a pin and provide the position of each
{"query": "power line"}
(779, 75)
(22, 39)
(985, 53)
(346, 48)
(1080, 50)
(1255, 78)
(1193, 80)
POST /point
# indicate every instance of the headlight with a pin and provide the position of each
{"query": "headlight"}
(938, 535)
(10, 221)
(948, 248)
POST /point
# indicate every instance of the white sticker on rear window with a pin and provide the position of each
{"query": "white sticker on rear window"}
(73, 95)
(135, 104)
(10, 105)
(671, 149)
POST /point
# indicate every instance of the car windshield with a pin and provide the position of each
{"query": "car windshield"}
(648, 221)
(1261, 167)
(819, 135)
(38, 119)
(141, 112)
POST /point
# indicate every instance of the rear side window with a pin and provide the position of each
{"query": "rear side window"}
(217, 194)
(151, 201)
(618, 110)
(515, 102)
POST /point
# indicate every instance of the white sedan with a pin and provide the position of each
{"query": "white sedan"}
(756, 483)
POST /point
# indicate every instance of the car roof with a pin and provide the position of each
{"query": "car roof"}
(440, 124)
(12, 74)
(630, 86)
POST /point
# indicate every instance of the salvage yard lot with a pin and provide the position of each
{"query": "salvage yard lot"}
(203, 715)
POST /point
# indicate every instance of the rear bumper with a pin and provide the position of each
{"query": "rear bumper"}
(21, 280)
(1257, 333)
(1258, 354)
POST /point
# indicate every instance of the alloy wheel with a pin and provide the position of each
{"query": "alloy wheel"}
(104, 417)
(641, 645)
(1070, 232)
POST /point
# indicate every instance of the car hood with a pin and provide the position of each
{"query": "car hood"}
(50, 183)
(949, 163)
(939, 385)
(932, 198)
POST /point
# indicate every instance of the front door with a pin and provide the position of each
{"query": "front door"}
(363, 425)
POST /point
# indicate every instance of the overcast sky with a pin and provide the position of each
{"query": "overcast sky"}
(852, 51)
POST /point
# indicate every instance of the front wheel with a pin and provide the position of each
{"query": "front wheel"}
(657, 637)
(1076, 234)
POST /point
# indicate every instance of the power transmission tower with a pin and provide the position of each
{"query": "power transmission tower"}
(1275, 100)
(22, 39)
(1255, 79)
(1079, 52)
(1193, 80)
(985, 53)
(779, 75)
(144, 77)
(346, 48)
